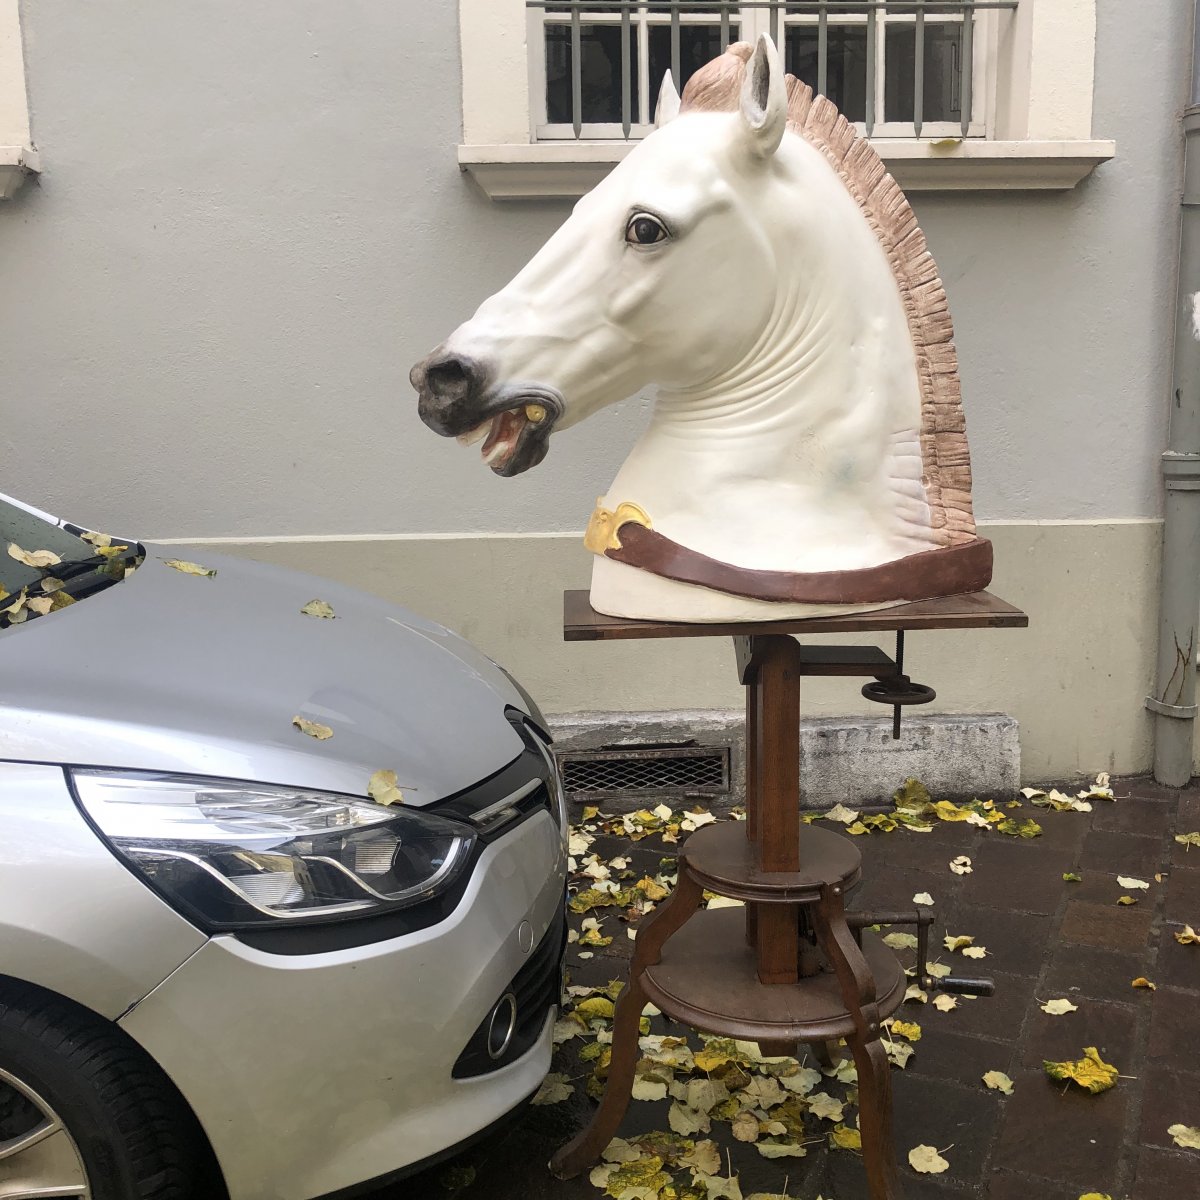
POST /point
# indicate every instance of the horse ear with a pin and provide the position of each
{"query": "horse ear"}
(667, 108)
(764, 98)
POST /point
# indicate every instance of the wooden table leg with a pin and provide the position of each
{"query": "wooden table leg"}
(870, 1057)
(586, 1148)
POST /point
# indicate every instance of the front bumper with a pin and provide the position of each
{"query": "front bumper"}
(314, 1073)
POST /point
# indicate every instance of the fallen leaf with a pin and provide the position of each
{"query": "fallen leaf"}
(39, 604)
(39, 559)
(1186, 1136)
(823, 1105)
(1127, 900)
(554, 1090)
(318, 608)
(900, 941)
(998, 1081)
(1095, 1196)
(898, 1053)
(839, 812)
(637, 1180)
(96, 539)
(190, 568)
(1188, 839)
(1090, 1072)
(961, 865)
(780, 1150)
(1071, 877)
(1020, 829)
(744, 1127)
(957, 941)
(944, 1003)
(1142, 982)
(975, 952)
(1132, 884)
(686, 1121)
(845, 1138)
(1188, 936)
(927, 1161)
(1059, 1008)
(703, 1157)
(923, 898)
(648, 1089)
(906, 1029)
(382, 788)
(716, 1187)
(313, 728)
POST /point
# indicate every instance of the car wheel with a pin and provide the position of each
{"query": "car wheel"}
(85, 1114)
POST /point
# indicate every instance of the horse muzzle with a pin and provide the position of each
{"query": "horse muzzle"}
(459, 398)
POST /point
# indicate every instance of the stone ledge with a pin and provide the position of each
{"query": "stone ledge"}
(849, 760)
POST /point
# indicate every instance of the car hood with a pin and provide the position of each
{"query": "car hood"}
(167, 671)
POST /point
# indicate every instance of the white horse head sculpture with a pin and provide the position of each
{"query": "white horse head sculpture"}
(753, 258)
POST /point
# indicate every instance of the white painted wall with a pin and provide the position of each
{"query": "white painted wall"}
(251, 222)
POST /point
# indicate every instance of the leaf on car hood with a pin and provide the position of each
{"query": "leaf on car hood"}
(314, 729)
(381, 787)
(190, 568)
(38, 559)
(319, 608)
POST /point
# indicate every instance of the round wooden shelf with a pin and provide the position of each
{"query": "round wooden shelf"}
(722, 859)
(708, 978)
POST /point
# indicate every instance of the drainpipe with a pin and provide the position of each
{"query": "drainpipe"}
(1174, 699)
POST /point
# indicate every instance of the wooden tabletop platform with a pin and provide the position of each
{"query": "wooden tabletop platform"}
(977, 610)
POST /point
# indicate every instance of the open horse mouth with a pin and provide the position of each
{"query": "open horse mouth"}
(516, 438)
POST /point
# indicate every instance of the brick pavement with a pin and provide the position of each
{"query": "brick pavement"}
(1046, 938)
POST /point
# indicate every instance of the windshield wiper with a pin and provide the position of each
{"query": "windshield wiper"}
(109, 568)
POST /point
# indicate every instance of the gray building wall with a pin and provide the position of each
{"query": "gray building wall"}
(250, 223)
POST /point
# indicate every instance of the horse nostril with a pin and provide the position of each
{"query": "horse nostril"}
(448, 379)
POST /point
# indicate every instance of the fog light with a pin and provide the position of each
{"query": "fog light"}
(502, 1025)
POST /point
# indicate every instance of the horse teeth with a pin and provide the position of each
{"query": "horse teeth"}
(473, 435)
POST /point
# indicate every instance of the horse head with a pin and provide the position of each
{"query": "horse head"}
(622, 295)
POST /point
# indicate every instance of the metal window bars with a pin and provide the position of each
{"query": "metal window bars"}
(961, 13)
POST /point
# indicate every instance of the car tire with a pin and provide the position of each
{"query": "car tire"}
(129, 1133)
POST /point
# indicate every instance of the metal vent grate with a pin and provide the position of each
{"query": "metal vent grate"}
(689, 770)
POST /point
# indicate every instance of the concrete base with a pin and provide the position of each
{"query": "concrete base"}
(844, 760)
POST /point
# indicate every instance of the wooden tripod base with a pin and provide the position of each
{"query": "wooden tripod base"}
(786, 969)
(699, 966)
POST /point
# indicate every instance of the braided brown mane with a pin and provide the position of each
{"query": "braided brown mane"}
(717, 87)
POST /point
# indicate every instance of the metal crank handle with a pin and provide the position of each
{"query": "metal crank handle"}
(959, 985)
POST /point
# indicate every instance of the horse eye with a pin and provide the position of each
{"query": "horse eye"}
(645, 231)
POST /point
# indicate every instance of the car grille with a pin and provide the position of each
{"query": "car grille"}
(535, 988)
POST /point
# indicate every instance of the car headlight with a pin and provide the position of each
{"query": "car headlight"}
(237, 855)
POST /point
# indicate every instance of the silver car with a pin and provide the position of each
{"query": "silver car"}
(237, 956)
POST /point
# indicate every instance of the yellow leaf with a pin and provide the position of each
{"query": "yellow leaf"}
(900, 941)
(98, 540)
(717, 1053)
(1142, 982)
(39, 604)
(39, 559)
(650, 889)
(319, 608)
(823, 1105)
(927, 1160)
(845, 1138)
(1020, 829)
(857, 828)
(110, 551)
(382, 788)
(961, 865)
(1188, 937)
(190, 568)
(839, 812)
(906, 1029)
(944, 1003)
(1071, 877)
(957, 941)
(923, 898)
(644, 1173)
(1090, 1072)
(595, 1008)
(1126, 900)
(744, 1127)
(898, 1053)
(912, 794)
(975, 952)
(313, 728)
(1187, 1136)
(1132, 884)
(1188, 839)
(1059, 1008)
(1095, 1196)
(947, 811)
(998, 1081)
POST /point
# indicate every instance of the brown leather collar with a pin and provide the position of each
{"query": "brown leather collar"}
(947, 571)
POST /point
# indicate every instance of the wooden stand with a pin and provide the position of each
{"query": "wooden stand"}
(788, 969)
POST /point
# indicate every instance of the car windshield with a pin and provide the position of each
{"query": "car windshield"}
(46, 564)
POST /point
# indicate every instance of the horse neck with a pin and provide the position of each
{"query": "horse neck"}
(805, 453)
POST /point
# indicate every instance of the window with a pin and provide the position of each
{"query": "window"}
(17, 157)
(955, 94)
(898, 70)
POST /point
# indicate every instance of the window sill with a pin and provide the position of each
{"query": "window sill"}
(568, 169)
(16, 164)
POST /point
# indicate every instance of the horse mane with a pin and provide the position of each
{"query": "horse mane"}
(946, 462)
